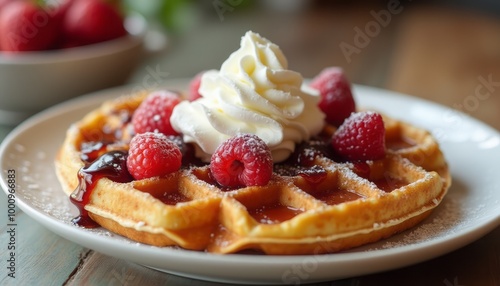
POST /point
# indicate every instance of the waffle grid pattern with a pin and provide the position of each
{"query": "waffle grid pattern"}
(343, 206)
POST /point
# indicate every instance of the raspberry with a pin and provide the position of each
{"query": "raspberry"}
(361, 137)
(152, 154)
(243, 160)
(153, 115)
(194, 85)
(336, 100)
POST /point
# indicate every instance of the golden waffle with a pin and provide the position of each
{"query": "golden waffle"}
(323, 207)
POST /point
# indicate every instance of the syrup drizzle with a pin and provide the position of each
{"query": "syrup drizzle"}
(336, 196)
(274, 213)
(113, 165)
(314, 175)
(173, 198)
(302, 161)
(401, 142)
(110, 165)
(389, 183)
(91, 150)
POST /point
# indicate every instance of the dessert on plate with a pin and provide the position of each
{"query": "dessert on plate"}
(251, 158)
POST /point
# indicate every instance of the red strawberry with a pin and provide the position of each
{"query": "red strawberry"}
(4, 2)
(24, 26)
(336, 101)
(361, 137)
(152, 154)
(243, 160)
(153, 115)
(92, 21)
(194, 85)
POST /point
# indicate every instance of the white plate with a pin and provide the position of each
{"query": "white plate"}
(469, 211)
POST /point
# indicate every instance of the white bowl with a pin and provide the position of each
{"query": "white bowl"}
(33, 81)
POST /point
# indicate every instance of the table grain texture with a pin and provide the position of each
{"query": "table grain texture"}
(434, 51)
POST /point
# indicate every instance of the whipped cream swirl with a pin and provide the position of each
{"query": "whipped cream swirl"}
(254, 92)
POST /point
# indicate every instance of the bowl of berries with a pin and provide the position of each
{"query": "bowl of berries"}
(51, 51)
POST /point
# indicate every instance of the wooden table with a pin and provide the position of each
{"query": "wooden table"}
(439, 53)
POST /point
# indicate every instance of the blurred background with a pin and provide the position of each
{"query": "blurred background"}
(444, 51)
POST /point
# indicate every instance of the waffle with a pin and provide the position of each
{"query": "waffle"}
(322, 206)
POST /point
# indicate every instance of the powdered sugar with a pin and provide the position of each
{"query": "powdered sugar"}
(447, 220)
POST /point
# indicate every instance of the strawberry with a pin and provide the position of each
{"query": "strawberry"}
(361, 137)
(153, 115)
(336, 100)
(152, 154)
(243, 160)
(92, 21)
(24, 26)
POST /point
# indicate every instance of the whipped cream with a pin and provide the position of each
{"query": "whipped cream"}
(253, 92)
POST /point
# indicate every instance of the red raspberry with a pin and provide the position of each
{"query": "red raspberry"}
(243, 160)
(152, 154)
(92, 21)
(194, 85)
(153, 115)
(336, 101)
(361, 137)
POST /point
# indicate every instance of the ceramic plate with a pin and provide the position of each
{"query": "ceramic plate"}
(469, 211)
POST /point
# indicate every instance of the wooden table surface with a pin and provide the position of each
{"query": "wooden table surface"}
(444, 54)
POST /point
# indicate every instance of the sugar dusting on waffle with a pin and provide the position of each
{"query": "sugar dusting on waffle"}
(327, 191)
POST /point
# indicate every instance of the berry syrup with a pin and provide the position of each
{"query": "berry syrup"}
(111, 165)
(102, 163)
